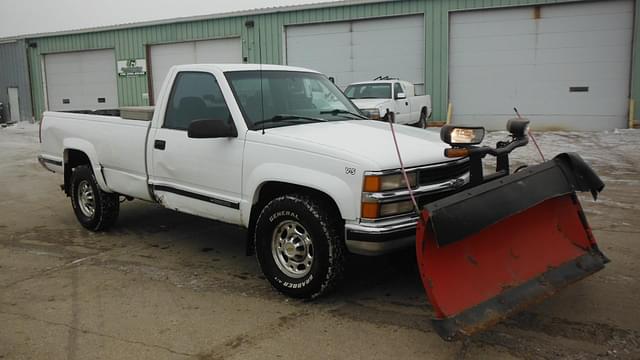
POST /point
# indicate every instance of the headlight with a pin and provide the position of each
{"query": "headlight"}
(374, 210)
(373, 114)
(376, 183)
(396, 208)
(461, 135)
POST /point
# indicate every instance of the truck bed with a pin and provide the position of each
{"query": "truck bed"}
(116, 147)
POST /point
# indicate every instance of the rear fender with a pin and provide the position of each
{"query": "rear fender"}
(88, 149)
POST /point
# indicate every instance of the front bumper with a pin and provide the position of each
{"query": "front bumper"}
(380, 238)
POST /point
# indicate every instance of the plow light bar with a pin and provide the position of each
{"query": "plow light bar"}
(462, 135)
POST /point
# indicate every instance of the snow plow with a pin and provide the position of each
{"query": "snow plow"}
(507, 240)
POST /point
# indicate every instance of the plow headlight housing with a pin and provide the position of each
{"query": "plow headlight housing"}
(462, 135)
(373, 114)
(518, 127)
(377, 183)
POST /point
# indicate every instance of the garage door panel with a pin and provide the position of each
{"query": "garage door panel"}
(585, 72)
(488, 16)
(314, 30)
(604, 54)
(164, 56)
(219, 51)
(587, 8)
(574, 45)
(496, 43)
(389, 24)
(352, 51)
(586, 23)
(493, 58)
(325, 42)
(81, 78)
(484, 29)
(605, 38)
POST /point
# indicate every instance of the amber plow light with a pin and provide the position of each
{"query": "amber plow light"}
(456, 152)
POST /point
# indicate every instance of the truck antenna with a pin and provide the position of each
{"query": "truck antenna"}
(531, 136)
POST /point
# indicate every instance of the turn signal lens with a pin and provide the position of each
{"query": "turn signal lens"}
(370, 210)
(371, 183)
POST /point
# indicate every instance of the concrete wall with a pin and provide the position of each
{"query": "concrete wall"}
(14, 73)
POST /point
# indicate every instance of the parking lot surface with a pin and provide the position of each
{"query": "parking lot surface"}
(164, 285)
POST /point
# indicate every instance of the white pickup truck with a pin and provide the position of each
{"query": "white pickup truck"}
(375, 97)
(295, 163)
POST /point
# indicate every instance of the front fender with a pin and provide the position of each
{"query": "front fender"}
(88, 149)
(336, 188)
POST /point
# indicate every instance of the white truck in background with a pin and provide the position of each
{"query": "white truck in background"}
(375, 97)
(296, 163)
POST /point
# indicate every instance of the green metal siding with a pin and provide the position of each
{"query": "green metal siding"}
(269, 32)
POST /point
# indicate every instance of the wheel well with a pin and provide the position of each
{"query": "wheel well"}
(271, 190)
(72, 159)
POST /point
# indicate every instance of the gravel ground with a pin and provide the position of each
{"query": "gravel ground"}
(163, 285)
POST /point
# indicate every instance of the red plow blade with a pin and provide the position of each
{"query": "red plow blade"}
(491, 251)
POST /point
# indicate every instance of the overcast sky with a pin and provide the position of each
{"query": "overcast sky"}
(19, 17)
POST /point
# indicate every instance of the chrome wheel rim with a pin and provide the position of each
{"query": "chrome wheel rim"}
(292, 249)
(86, 199)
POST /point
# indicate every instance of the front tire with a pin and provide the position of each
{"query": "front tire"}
(95, 209)
(299, 246)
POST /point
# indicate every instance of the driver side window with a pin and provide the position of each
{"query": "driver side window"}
(397, 88)
(195, 96)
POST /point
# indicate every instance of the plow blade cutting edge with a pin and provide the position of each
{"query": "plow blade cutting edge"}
(492, 250)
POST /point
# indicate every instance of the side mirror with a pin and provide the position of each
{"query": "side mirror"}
(400, 96)
(208, 129)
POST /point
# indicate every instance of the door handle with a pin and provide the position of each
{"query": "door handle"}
(159, 144)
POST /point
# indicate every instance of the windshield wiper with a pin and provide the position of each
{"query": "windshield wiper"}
(335, 112)
(287, 117)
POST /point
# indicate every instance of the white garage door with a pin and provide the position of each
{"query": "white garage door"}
(83, 80)
(220, 51)
(361, 50)
(563, 66)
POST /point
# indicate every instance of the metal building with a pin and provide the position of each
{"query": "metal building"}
(15, 93)
(566, 64)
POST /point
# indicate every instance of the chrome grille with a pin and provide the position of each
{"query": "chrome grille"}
(446, 172)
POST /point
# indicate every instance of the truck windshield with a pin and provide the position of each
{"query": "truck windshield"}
(368, 91)
(287, 94)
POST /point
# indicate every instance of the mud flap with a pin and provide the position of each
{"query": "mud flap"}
(492, 250)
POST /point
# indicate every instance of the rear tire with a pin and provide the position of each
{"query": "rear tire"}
(95, 209)
(422, 123)
(299, 246)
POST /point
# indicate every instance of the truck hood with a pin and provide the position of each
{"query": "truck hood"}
(369, 103)
(364, 141)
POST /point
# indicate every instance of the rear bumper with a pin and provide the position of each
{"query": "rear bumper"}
(380, 238)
